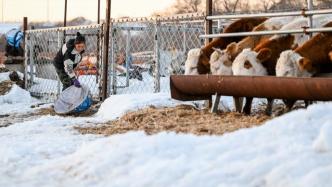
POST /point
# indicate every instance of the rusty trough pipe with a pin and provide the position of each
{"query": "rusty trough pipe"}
(202, 87)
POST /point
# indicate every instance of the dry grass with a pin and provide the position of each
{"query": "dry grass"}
(180, 119)
(5, 87)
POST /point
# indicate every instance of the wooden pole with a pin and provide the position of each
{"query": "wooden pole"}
(25, 27)
(65, 22)
(65, 16)
(105, 50)
(98, 16)
(208, 23)
(208, 30)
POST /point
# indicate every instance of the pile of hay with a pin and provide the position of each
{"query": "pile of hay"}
(180, 119)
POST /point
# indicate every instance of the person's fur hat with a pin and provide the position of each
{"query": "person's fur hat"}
(79, 38)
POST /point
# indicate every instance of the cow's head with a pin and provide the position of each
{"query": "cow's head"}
(220, 63)
(192, 61)
(249, 62)
(292, 64)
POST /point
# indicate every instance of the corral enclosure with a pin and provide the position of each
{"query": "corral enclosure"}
(143, 53)
(149, 49)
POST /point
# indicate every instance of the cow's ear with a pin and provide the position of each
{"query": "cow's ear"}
(264, 54)
(231, 48)
(305, 64)
(200, 52)
(295, 46)
(217, 50)
(330, 55)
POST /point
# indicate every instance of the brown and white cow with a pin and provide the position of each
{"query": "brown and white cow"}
(308, 59)
(198, 59)
(221, 60)
(262, 59)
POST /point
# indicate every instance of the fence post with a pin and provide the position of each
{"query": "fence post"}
(156, 57)
(128, 55)
(60, 41)
(26, 58)
(184, 44)
(113, 61)
(310, 7)
(105, 87)
(100, 51)
(208, 30)
(25, 27)
(208, 23)
(32, 68)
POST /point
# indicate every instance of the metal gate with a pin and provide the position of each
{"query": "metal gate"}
(42, 46)
(146, 51)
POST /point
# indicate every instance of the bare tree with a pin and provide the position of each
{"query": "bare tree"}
(230, 6)
(324, 3)
(187, 6)
(264, 5)
(288, 5)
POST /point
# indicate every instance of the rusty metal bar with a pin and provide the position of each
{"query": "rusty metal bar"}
(201, 87)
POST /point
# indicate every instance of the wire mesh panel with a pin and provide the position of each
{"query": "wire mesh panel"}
(41, 48)
(132, 56)
(145, 51)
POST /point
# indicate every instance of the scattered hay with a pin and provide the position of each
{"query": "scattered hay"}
(5, 87)
(3, 70)
(180, 119)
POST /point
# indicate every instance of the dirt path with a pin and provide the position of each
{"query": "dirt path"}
(180, 119)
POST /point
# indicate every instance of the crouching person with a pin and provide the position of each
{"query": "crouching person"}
(67, 58)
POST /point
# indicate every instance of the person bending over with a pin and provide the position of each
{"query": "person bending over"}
(67, 58)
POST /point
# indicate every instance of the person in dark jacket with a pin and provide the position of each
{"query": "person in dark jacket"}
(66, 60)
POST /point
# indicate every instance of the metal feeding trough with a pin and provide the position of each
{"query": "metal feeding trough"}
(73, 99)
(202, 87)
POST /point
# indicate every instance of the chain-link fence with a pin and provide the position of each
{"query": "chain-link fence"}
(42, 46)
(146, 51)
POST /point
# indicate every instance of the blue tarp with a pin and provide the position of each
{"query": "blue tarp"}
(14, 37)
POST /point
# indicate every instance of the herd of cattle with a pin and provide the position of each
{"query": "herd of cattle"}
(290, 55)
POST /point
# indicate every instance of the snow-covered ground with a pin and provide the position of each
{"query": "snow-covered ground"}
(292, 150)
